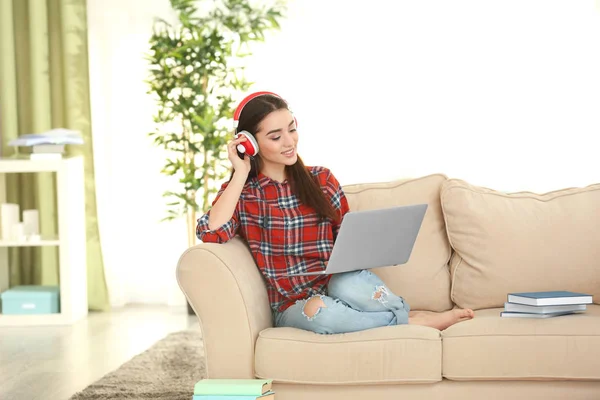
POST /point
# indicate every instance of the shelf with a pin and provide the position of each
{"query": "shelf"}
(69, 238)
(38, 243)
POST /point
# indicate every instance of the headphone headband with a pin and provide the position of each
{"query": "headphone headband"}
(246, 100)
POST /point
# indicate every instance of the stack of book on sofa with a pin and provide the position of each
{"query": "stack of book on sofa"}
(545, 304)
(234, 389)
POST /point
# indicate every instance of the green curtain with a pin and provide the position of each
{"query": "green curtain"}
(44, 84)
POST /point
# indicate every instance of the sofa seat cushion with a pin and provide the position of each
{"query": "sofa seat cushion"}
(424, 281)
(391, 354)
(490, 347)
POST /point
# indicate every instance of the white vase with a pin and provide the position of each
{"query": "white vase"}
(9, 216)
(18, 232)
(31, 219)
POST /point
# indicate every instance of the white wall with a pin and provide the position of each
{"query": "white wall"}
(140, 252)
(500, 93)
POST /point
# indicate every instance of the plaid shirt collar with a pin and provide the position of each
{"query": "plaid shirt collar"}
(264, 181)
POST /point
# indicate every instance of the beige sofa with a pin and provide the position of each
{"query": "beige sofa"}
(475, 246)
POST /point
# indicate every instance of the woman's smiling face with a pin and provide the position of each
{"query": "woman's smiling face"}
(277, 139)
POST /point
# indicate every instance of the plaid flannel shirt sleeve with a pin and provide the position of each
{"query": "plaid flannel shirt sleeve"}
(338, 200)
(225, 232)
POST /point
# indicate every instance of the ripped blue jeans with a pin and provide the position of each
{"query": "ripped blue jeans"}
(356, 301)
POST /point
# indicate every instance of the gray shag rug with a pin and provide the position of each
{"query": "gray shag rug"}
(168, 370)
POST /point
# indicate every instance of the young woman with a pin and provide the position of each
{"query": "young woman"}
(289, 215)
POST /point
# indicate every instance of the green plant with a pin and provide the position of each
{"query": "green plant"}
(195, 72)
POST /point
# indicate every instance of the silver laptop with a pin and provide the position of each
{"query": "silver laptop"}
(374, 238)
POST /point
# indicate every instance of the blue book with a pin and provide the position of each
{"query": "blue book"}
(550, 298)
(510, 314)
(266, 396)
(524, 308)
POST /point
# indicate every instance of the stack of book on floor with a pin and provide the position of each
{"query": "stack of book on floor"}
(233, 389)
(545, 304)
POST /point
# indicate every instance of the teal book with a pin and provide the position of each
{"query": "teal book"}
(510, 314)
(266, 396)
(233, 387)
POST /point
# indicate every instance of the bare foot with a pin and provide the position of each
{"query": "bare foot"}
(441, 320)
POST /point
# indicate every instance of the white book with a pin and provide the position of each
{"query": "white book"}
(46, 156)
(506, 314)
(523, 308)
(48, 148)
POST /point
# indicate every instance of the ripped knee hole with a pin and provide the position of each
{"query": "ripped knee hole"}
(379, 292)
(312, 306)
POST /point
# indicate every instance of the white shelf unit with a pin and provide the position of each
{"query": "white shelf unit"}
(70, 240)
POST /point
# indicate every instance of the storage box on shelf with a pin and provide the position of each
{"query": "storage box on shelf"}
(30, 300)
(70, 239)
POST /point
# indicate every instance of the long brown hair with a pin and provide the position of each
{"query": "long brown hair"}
(303, 183)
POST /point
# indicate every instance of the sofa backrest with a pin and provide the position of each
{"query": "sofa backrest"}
(424, 281)
(521, 242)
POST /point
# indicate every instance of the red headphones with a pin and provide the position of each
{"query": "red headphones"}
(250, 146)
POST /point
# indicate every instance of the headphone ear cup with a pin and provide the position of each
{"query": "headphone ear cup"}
(250, 146)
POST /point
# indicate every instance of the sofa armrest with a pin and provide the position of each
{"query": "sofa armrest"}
(228, 294)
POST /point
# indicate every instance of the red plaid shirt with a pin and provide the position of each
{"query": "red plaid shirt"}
(284, 236)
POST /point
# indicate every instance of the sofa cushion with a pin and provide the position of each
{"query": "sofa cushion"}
(492, 347)
(424, 281)
(390, 354)
(521, 242)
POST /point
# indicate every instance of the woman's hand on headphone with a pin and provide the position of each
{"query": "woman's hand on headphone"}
(241, 166)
